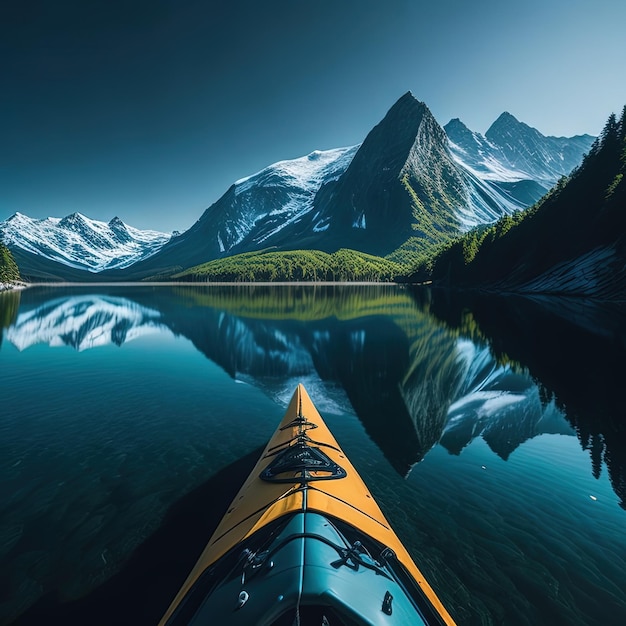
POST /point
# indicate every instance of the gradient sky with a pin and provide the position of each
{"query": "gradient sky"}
(151, 109)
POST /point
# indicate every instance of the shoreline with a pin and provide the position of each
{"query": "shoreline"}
(204, 284)
(13, 286)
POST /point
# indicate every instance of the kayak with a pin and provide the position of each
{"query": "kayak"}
(304, 542)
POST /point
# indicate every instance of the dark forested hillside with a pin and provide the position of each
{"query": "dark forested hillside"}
(573, 241)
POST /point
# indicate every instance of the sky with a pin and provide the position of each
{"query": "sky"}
(150, 109)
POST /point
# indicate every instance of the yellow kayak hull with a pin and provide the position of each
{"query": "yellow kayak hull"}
(303, 469)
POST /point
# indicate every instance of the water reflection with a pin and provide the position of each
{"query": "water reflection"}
(9, 306)
(500, 404)
(412, 381)
(147, 422)
(83, 322)
(575, 349)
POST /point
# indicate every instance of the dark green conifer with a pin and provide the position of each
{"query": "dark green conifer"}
(622, 125)
(9, 271)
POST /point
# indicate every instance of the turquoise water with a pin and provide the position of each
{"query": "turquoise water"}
(118, 401)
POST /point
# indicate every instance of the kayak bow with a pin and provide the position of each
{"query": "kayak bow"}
(304, 542)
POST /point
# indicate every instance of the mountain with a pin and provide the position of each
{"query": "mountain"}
(401, 183)
(404, 183)
(511, 152)
(78, 242)
(250, 212)
(573, 242)
(488, 162)
(410, 185)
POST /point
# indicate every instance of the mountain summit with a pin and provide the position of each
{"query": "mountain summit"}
(400, 181)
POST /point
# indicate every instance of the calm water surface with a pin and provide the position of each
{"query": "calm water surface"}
(491, 433)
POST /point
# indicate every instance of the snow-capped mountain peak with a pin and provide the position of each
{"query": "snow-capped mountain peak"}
(515, 157)
(78, 241)
(268, 201)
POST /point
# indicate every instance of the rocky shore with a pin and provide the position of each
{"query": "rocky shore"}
(9, 286)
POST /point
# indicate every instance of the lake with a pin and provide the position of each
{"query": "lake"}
(491, 431)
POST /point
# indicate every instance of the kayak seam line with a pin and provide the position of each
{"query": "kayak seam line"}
(330, 495)
(263, 508)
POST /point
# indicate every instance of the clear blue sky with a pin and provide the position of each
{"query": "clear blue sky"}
(150, 109)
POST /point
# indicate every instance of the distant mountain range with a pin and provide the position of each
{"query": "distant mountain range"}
(410, 184)
(80, 242)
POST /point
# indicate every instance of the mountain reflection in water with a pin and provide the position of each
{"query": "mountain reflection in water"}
(575, 349)
(425, 373)
(411, 381)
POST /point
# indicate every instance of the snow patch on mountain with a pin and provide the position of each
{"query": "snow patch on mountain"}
(80, 242)
(485, 203)
(306, 173)
(487, 166)
(359, 222)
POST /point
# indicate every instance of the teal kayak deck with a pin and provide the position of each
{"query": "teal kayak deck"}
(305, 543)
(305, 571)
